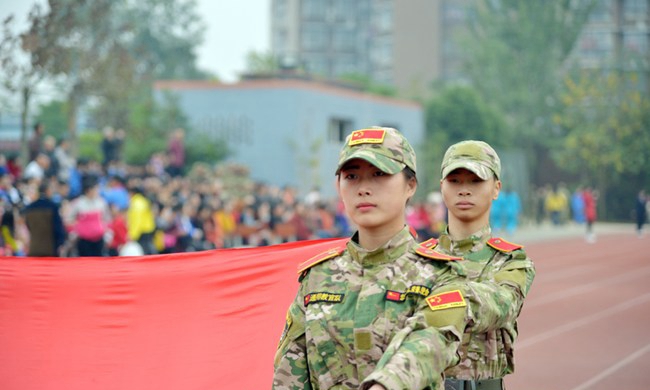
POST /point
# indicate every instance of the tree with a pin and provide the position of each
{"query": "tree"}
(18, 76)
(106, 50)
(366, 83)
(261, 63)
(457, 113)
(53, 115)
(606, 128)
(515, 54)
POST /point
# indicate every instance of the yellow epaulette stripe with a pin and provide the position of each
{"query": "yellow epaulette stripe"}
(430, 243)
(502, 245)
(319, 258)
(431, 254)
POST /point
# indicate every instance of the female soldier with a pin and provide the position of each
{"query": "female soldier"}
(499, 274)
(366, 315)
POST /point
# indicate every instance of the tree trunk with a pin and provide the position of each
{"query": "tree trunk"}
(24, 114)
(73, 100)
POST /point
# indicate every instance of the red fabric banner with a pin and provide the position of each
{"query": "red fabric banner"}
(203, 320)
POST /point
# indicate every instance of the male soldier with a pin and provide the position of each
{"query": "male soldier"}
(498, 273)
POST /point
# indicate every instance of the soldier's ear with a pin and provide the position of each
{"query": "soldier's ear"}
(497, 189)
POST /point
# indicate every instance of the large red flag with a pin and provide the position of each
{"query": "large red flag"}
(203, 320)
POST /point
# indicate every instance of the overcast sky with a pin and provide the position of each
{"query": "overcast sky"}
(234, 28)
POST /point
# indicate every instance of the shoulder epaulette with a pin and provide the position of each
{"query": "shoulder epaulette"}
(430, 243)
(502, 245)
(413, 232)
(319, 258)
(435, 255)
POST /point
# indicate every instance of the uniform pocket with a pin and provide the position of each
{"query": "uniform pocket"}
(325, 356)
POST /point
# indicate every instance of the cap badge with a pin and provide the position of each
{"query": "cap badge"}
(367, 136)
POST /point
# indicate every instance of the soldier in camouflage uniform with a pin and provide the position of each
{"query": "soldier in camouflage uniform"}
(370, 314)
(498, 273)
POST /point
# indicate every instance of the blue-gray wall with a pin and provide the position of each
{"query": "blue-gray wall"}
(280, 129)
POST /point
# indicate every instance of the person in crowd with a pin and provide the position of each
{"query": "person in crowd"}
(498, 274)
(14, 167)
(176, 153)
(110, 146)
(45, 225)
(589, 198)
(37, 168)
(89, 219)
(115, 192)
(511, 210)
(578, 206)
(65, 161)
(556, 203)
(366, 315)
(140, 220)
(640, 212)
(49, 147)
(35, 144)
(119, 233)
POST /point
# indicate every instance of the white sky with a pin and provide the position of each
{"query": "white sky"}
(234, 28)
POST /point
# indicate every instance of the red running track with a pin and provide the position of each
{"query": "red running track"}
(585, 324)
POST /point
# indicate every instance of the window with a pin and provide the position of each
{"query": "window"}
(339, 129)
(314, 37)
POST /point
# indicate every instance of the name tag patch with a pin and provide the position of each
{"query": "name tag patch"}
(323, 297)
(397, 296)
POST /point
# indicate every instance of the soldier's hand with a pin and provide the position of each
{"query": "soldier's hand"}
(377, 386)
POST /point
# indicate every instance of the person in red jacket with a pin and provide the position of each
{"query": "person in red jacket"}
(119, 230)
(589, 198)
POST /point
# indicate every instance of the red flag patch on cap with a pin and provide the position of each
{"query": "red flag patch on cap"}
(446, 300)
(367, 136)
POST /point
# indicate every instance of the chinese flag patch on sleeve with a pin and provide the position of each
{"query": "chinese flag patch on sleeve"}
(446, 300)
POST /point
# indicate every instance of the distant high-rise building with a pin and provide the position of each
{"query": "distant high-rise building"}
(393, 42)
(617, 35)
(411, 43)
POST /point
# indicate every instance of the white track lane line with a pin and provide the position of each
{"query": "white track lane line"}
(583, 288)
(586, 385)
(521, 344)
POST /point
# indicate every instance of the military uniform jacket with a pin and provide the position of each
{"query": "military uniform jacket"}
(363, 316)
(499, 275)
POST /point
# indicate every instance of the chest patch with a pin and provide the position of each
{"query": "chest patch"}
(323, 297)
(446, 300)
(397, 296)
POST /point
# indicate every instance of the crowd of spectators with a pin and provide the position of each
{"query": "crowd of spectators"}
(61, 206)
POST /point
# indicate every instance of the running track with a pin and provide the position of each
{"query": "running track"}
(586, 322)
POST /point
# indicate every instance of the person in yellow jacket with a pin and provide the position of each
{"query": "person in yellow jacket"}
(140, 219)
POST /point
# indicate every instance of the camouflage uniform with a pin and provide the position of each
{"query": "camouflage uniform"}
(498, 276)
(362, 316)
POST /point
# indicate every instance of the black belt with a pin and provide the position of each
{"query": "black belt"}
(479, 384)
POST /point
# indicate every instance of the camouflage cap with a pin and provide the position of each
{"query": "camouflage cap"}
(476, 156)
(384, 147)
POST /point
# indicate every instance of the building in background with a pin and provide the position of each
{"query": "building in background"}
(617, 36)
(410, 44)
(394, 42)
(289, 131)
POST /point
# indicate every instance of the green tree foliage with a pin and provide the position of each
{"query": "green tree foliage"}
(606, 128)
(53, 115)
(515, 53)
(18, 76)
(368, 85)
(457, 113)
(153, 120)
(261, 63)
(111, 50)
